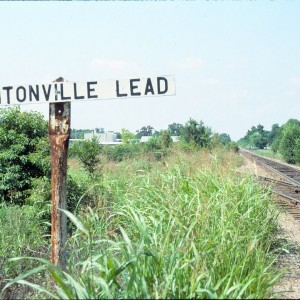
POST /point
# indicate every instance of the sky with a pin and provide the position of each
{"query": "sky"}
(236, 63)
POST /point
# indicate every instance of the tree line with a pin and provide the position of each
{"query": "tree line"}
(192, 131)
(283, 139)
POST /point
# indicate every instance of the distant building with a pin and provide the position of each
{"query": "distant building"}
(145, 138)
(107, 138)
(175, 138)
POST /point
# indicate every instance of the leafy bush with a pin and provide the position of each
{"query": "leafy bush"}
(233, 146)
(154, 146)
(297, 150)
(40, 198)
(224, 139)
(165, 138)
(288, 144)
(21, 135)
(87, 152)
(195, 133)
(158, 145)
(40, 195)
(122, 151)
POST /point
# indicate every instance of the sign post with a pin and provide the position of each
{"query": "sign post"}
(59, 133)
(59, 95)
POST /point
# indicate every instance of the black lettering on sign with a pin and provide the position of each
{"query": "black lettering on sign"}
(7, 89)
(89, 89)
(134, 87)
(75, 92)
(149, 87)
(62, 93)
(56, 92)
(34, 93)
(47, 93)
(21, 94)
(118, 90)
(159, 90)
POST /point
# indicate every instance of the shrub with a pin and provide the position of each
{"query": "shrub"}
(122, 151)
(157, 146)
(88, 154)
(195, 133)
(297, 150)
(165, 138)
(288, 143)
(40, 195)
(21, 135)
(233, 146)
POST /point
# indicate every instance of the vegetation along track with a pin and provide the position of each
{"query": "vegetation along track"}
(287, 188)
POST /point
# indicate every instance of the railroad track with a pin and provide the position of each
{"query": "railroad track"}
(289, 173)
(287, 187)
(282, 188)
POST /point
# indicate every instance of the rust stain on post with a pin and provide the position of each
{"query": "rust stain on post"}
(59, 133)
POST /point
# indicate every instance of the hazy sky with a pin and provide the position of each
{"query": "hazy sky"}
(236, 63)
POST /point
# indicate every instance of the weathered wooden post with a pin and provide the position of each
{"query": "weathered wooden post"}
(59, 133)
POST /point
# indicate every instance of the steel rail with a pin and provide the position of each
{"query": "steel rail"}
(281, 193)
(288, 191)
(270, 165)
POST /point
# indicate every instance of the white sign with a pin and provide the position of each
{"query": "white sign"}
(90, 90)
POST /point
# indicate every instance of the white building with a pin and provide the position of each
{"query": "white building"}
(145, 138)
(107, 138)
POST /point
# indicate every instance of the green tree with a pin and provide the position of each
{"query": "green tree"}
(174, 129)
(297, 150)
(275, 137)
(99, 130)
(165, 138)
(196, 133)
(88, 152)
(118, 135)
(22, 136)
(258, 140)
(289, 141)
(126, 135)
(146, 131)
(79, 133)
(224, 139)
(256, 136)
(274, 133)
(243, 142)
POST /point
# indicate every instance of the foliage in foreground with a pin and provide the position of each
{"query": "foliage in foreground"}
(22, 137)
(21, 234)
(172, 230)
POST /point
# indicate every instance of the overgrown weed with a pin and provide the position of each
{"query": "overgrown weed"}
(183, 227)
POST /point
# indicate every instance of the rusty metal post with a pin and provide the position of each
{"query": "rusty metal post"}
(59, 133)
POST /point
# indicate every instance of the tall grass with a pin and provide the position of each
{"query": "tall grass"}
(21, 234)
(269, 153)
(187, 227)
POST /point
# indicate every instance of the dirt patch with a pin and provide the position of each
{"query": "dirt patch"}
(289, 286)
(250, 167)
